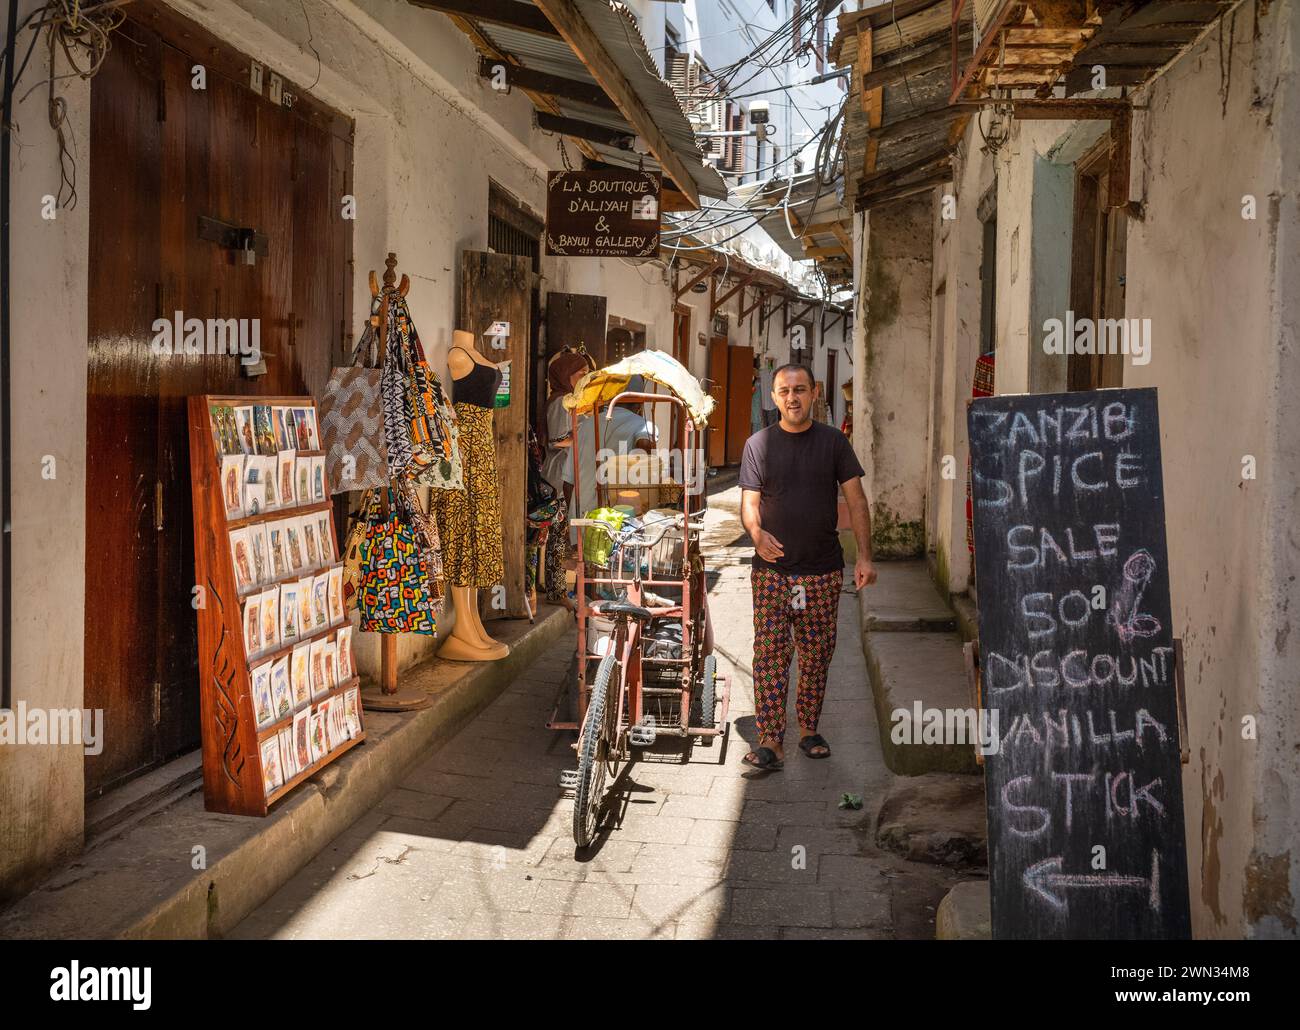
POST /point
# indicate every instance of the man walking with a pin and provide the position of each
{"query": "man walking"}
(790, 478)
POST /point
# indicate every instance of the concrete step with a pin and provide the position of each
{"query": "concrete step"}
(904, 599)
(183, 872)
(907, 669)
(937, 818)
(965, 913)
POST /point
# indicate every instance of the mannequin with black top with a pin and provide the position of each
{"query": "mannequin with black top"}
(469, 520)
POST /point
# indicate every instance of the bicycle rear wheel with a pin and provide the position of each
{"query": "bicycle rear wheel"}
(595, 747)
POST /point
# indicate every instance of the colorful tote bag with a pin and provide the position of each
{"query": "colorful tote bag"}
(394, 595)
(435, 444)
(352, 421)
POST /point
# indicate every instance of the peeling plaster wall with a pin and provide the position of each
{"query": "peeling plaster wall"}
(956, 265)
(1223, 294)
(41, 785)
(896, 374)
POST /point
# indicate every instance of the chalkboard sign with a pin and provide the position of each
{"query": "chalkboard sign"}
(1084, 790)
(606, 213)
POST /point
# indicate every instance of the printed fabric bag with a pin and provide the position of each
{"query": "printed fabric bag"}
(435, 439)
(352, 552)
(394, 594)
(352, 421)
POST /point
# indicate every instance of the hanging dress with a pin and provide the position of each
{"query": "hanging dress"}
(469, 520)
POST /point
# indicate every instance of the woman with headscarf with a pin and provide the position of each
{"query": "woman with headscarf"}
(562, 374)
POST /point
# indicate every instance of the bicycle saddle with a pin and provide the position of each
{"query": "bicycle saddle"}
(633, 611)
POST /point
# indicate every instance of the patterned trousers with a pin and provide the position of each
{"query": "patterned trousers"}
(792, 613)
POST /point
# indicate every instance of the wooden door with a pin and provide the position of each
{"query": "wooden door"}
(165, 155)
(719, 375)
(682, 335)
(576, 319)
(1097, 267)
(497, 287)
(740, 400)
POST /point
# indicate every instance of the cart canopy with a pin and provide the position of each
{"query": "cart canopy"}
(604, 384)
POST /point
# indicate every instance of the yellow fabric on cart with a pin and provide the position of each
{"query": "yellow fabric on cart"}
(603, 385)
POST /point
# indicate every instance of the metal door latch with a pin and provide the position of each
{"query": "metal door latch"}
(247, 243)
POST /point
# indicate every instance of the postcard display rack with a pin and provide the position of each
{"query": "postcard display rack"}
(279, 694)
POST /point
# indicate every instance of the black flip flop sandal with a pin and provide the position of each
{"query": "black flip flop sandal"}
(807, 744)
(765, 760)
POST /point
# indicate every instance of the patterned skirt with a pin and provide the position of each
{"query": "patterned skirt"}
(469, 520)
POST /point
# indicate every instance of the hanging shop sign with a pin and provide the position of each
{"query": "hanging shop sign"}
(603, 214)
(1084, 780)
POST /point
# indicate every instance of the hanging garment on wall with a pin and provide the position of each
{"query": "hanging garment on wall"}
(352, 420)
(469, 520)
(394, 594)
(431, 427)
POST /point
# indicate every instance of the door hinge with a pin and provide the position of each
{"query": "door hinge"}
(158, 505)
(157, 702)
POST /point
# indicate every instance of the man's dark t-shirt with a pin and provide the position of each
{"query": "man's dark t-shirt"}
(797, 476)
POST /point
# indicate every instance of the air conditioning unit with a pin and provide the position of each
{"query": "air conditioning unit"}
(701, 103)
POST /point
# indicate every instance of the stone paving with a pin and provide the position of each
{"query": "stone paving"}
(476, 841)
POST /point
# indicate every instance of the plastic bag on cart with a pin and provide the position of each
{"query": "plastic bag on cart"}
(662, 639)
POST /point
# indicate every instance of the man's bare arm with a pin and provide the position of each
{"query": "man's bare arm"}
(767, 546)
(864, 572)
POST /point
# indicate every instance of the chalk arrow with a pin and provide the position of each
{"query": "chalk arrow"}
(1047, 881)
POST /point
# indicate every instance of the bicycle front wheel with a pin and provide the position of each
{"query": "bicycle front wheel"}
(595, 746)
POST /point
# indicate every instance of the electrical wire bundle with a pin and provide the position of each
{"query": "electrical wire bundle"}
(84, 33)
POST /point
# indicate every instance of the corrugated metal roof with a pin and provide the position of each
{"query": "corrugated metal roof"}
(618, 31)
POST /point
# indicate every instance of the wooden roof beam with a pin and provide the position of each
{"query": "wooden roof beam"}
(518, 76)
(745, 281)
(589, 49)
(579, 129)
(495, 12)
(707, 271)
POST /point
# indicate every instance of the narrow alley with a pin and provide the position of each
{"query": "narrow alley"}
(476, 842)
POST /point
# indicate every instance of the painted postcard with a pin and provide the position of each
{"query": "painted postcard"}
(335, 575)
(307, 529)
(253, 625)
(263, 433)
(301, 739)
(318, 478)
(306, 618)
(287, 760)
(270, 617)
(272, 777)
(325, 538)
(320, 600)
(232, 485)
(300, 674)
(285, 462)
(344, 640)
(244, 429)
(318, 684)
(263, 709)
(279, 552)
(293, 544)
(241, 553)
(280, 694)
(289, 612)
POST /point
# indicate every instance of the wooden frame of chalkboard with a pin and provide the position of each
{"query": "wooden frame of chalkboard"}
(1084, 788)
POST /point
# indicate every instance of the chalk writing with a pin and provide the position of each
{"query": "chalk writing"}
(1077, 660)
